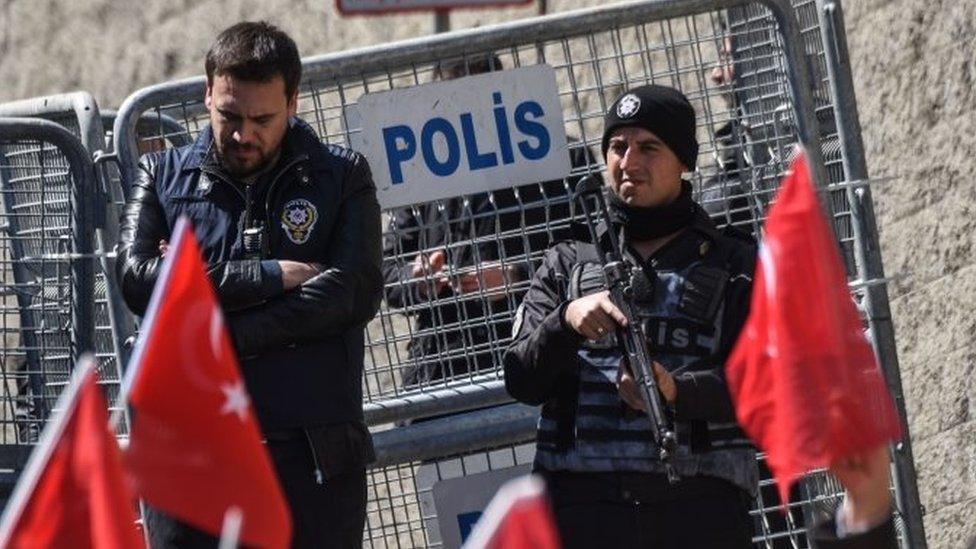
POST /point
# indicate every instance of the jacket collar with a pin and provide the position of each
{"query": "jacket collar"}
(195, 156)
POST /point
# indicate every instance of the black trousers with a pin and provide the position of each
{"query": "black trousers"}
(638, 510)
(328, 515)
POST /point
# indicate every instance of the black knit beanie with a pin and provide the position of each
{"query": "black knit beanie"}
(663, 111)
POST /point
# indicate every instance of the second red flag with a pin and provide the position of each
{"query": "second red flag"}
(803, 376)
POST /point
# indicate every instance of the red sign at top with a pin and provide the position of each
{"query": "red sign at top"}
(360, 7)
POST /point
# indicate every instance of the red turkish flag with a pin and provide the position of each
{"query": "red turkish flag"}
(803, 376)
(73, 492)
(195, 448)
(518, 517)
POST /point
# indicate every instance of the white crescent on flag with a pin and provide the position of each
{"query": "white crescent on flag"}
(216, 328)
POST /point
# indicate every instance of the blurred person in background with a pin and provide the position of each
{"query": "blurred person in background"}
(459, 266)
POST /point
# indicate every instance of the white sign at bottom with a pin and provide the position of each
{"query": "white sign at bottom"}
(460, 501)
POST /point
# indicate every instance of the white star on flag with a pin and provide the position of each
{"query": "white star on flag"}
(237, 401)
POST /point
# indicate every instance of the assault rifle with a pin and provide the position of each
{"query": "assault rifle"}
(622, 281)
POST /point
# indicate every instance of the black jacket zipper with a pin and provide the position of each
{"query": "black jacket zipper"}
(319, 477)
(247, 197)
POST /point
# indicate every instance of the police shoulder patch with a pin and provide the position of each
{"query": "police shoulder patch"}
(298, 218)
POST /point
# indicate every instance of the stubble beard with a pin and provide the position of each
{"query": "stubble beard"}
(237, 168)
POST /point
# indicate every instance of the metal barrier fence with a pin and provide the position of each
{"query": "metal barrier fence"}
(47, 186)
(437, 352)
(78, 112)
(825, 42)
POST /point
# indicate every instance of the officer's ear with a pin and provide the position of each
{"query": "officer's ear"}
(208, 96)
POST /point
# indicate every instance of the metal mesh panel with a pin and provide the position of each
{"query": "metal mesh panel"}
(155, 133)
(759, 92)
(37, 210)
(78, 113)
(46, 280)
(457, 268)
(401, 510)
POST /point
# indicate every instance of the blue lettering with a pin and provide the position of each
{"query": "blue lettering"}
(476, 160)
(531, 128)
(501, 126)
(395, 156)
(450, 165)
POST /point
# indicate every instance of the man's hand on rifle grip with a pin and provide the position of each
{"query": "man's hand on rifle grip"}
(594, 316)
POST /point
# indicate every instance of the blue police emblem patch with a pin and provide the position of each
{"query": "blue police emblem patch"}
(298, 219)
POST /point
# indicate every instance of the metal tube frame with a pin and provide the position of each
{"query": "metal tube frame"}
(868, 258)
(481, 392)
(82, 193)
(105, 223)
(355, 63)
(454, 435)
(456, 43)
(81, 103)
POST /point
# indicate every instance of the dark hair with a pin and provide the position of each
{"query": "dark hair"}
(449, 70)
(257, 52)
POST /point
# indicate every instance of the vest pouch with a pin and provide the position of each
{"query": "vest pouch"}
(702, 293)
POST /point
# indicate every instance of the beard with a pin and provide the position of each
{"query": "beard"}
(232, 161)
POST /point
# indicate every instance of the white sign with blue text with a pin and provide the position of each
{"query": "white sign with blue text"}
(464, 136)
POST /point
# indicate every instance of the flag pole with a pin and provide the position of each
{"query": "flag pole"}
(230, 533)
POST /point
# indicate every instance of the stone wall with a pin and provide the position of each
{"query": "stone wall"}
(914, 71)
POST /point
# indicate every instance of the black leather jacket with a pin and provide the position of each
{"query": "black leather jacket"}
(301, 350)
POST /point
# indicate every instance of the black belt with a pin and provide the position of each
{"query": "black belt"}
(571, 486)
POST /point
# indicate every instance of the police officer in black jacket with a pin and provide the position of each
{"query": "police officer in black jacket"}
(290, 230)
(595, 447)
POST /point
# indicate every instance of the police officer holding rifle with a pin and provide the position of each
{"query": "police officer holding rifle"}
(622, 338)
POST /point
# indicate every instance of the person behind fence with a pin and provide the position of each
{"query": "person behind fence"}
(594, 446)
(290, 229)
(733, 195)
(453, 264)
(730, 194)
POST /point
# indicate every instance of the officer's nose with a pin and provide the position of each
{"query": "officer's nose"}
(625, 159)
(244, 133)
